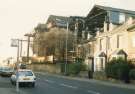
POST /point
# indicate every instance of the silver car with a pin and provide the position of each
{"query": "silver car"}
(6, 71)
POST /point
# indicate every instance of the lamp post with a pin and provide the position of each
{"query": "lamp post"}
(66, 49)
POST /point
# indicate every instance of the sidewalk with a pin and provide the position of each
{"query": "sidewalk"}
(7, 91)
(119, 85)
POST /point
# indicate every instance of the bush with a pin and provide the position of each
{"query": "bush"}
(132, 74)
(99, 75)
(74, 68)
(118, 69)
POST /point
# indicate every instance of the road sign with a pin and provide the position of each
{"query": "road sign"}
(14, 43)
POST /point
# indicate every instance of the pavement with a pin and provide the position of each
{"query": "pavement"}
(108, 83)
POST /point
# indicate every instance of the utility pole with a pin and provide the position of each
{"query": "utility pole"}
(17, 83)
(21, 48)
(28, 48)
(76, 37)
(29, 36)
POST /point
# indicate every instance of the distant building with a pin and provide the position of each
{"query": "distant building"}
(57, 21)
(75, 24)
(41, 27)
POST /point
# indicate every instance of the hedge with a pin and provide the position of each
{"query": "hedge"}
(118, 69)
(132, 74)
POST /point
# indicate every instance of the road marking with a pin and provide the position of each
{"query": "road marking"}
(47, 80)
(93, 92)
(69, 86)
(50, 81)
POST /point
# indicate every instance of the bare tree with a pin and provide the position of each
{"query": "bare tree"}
(53, 43)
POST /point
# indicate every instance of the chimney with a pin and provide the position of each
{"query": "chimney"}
(112, 26)
(130, 21)
(97, 33)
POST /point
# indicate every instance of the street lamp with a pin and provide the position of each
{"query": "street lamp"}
(66, 49)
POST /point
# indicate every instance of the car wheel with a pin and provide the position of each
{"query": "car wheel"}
(12, 82)
(33, 84)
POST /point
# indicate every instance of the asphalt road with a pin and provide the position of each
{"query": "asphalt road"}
(48, 84)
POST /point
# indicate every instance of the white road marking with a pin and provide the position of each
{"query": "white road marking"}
(93, 92)
(50, 81)
(69, 86)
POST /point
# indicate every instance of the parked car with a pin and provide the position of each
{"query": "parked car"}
(25, 77)
(22, 66)
(6, 71)
(1, 70)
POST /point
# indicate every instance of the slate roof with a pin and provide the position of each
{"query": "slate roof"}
(59, 21)
(108, 8)
(119, 52)
(115, 9)
(41, 27)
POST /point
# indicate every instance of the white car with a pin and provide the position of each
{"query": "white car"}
(24, 76)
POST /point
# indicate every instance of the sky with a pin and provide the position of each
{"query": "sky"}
(18, 17)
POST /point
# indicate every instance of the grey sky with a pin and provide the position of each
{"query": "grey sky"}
(20, 16)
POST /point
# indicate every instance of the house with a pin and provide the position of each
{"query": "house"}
(113, 38)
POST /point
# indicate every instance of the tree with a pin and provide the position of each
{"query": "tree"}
(53, 43)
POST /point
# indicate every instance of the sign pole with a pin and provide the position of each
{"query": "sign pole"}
(17, 83)
(15, 43)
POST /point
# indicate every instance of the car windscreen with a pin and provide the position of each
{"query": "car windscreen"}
(25, 73)
(7, 69)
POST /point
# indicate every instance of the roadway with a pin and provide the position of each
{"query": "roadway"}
(51, 84)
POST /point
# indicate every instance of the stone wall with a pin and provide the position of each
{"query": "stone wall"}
(51, 68)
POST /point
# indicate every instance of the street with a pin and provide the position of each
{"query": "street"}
(49, 84)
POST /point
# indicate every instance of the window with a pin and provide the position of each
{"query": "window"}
(108, 43)
(133, 41)
(122, 18)
(101, 46)
(25, 73)
(118, 41)
(107, 26)
(117, 17)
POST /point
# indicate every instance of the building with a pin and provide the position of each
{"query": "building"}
(74, 24)
(99, 16)
(113, 38)
(57, 21)
(106, 29)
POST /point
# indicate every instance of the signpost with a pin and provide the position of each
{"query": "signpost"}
(15, 43)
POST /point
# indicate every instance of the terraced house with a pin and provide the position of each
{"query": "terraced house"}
(114, 35)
